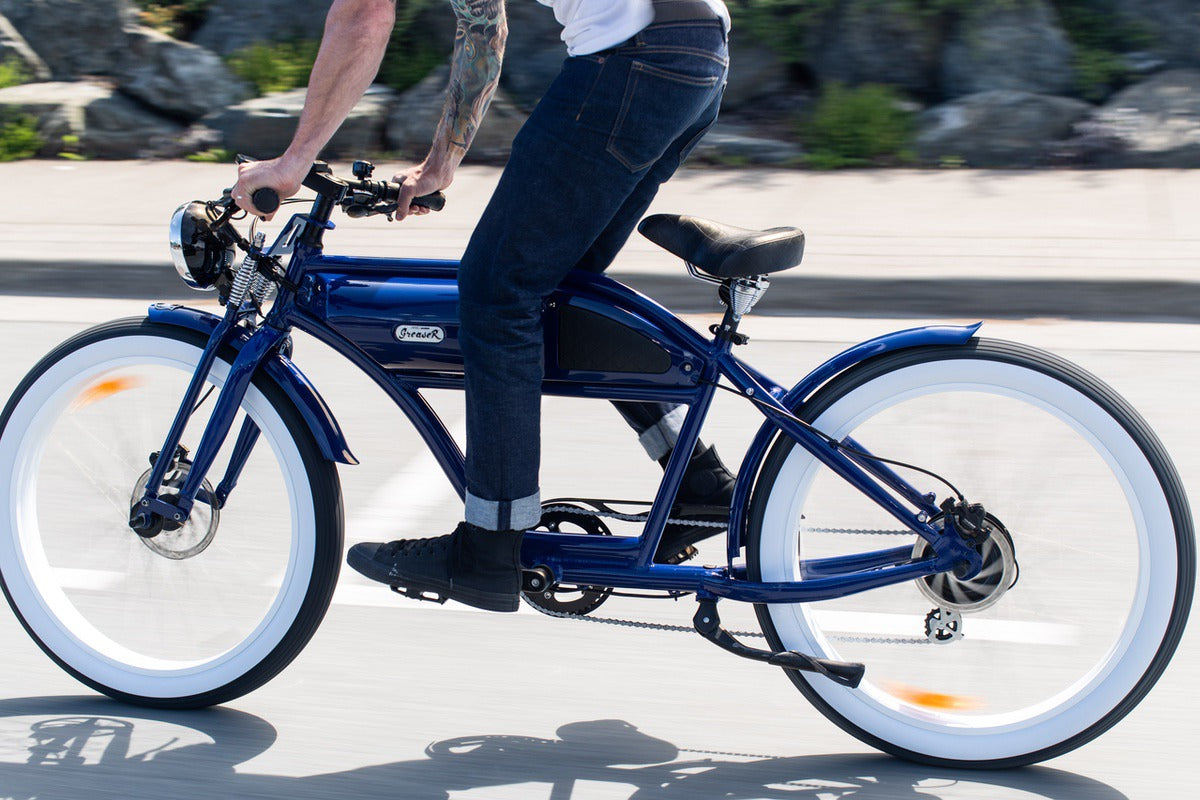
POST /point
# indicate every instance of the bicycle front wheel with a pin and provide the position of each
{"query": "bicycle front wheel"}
(190, 617)
(1088, 565)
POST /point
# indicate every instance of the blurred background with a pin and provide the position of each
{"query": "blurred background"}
(816, 83)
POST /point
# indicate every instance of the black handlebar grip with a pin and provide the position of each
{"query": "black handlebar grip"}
(266, 200)
(435, 201)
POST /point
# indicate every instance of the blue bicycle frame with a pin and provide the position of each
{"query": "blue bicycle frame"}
(396, 319)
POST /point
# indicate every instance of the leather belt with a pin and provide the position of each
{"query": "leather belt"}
(682, 11)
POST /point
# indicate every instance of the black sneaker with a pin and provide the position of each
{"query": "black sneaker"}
(704, 496)
(478, 567)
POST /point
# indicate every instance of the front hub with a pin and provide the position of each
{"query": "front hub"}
(176, 540)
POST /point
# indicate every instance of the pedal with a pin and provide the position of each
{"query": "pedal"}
(708, 623)
(419, 594)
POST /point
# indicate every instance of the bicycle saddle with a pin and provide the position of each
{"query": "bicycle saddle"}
(724, 251)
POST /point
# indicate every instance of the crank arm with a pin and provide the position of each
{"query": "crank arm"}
(708, 625)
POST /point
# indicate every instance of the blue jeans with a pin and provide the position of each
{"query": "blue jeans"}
(584, 168)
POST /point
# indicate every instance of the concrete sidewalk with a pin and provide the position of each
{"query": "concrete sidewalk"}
(1088, 245)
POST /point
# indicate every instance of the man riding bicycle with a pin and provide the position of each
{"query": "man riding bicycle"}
(641, 86)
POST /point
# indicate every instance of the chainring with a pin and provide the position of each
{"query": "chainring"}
(563, 599)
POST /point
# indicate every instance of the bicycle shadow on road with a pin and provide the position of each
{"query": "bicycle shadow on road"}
(91, 747)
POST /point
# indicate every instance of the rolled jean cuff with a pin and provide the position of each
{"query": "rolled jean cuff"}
(660, 438)
(504, 515)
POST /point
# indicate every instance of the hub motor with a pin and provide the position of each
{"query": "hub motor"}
(998, 574)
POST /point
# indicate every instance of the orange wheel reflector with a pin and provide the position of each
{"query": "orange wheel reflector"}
(104, 389)
(935, 700)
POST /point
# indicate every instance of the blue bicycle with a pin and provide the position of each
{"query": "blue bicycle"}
(172, 531)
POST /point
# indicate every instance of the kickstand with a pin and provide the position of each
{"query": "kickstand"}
(708, 624)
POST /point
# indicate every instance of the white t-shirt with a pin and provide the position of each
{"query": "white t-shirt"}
(592, 25)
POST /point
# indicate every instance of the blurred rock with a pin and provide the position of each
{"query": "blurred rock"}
(1017, 46)
(234, 24)
(1173, 26)
(865, 41)
(13, 45)
(1142, 63)
(74, 37)
(104, 123)
(732, 144)
(1157, 121)
(535, 52)
(1001, 128)
(181, 80)
(755, 72)
(413, 120)
(263, 127)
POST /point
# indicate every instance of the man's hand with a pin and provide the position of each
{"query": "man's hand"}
(284, 177)
(415, 182)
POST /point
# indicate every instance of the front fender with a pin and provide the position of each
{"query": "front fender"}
(312, 407)
(898, 340)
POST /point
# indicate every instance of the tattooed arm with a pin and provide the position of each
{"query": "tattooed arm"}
(474, 73)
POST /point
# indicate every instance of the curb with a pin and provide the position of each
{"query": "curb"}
(1103, 300)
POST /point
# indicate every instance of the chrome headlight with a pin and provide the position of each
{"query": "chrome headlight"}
(199, 254)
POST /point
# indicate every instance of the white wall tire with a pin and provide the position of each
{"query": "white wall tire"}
(1131, 557)
(113, 612)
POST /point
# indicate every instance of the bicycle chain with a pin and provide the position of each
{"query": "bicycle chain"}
(667, 627)
(662, 626)
(862, 531)
(587, 512)
(630, 623)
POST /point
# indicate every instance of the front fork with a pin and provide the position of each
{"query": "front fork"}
(154, 513)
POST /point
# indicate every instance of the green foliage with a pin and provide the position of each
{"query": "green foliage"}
(274, 66)
(412, 53)
(783, 25)
(215, 155)
(180, 19)
(862, 126)
(1100, 33)
(786, 25)
(70, 148)
(13, 72)
(19, 138)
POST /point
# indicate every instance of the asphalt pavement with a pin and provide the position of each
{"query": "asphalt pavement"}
(1103, 245)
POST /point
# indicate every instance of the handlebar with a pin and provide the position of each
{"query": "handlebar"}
(266, 200)
(358, 198)
(362, 198)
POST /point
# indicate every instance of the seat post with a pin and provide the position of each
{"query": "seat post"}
(738, 295)
(742, 294)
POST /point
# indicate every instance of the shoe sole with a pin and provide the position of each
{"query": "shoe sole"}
(487, 601)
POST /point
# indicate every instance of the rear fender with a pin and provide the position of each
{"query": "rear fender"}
(312, 407)
(802, 391)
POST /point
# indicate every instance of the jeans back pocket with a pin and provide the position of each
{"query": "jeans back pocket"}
(660, 104)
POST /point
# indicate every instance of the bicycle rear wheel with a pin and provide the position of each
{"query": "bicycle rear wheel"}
(191, 617)
(1089, 568)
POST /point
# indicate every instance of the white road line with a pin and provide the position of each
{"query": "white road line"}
(96, 580)
(354, 590)
(870, 623)
(417, 490)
